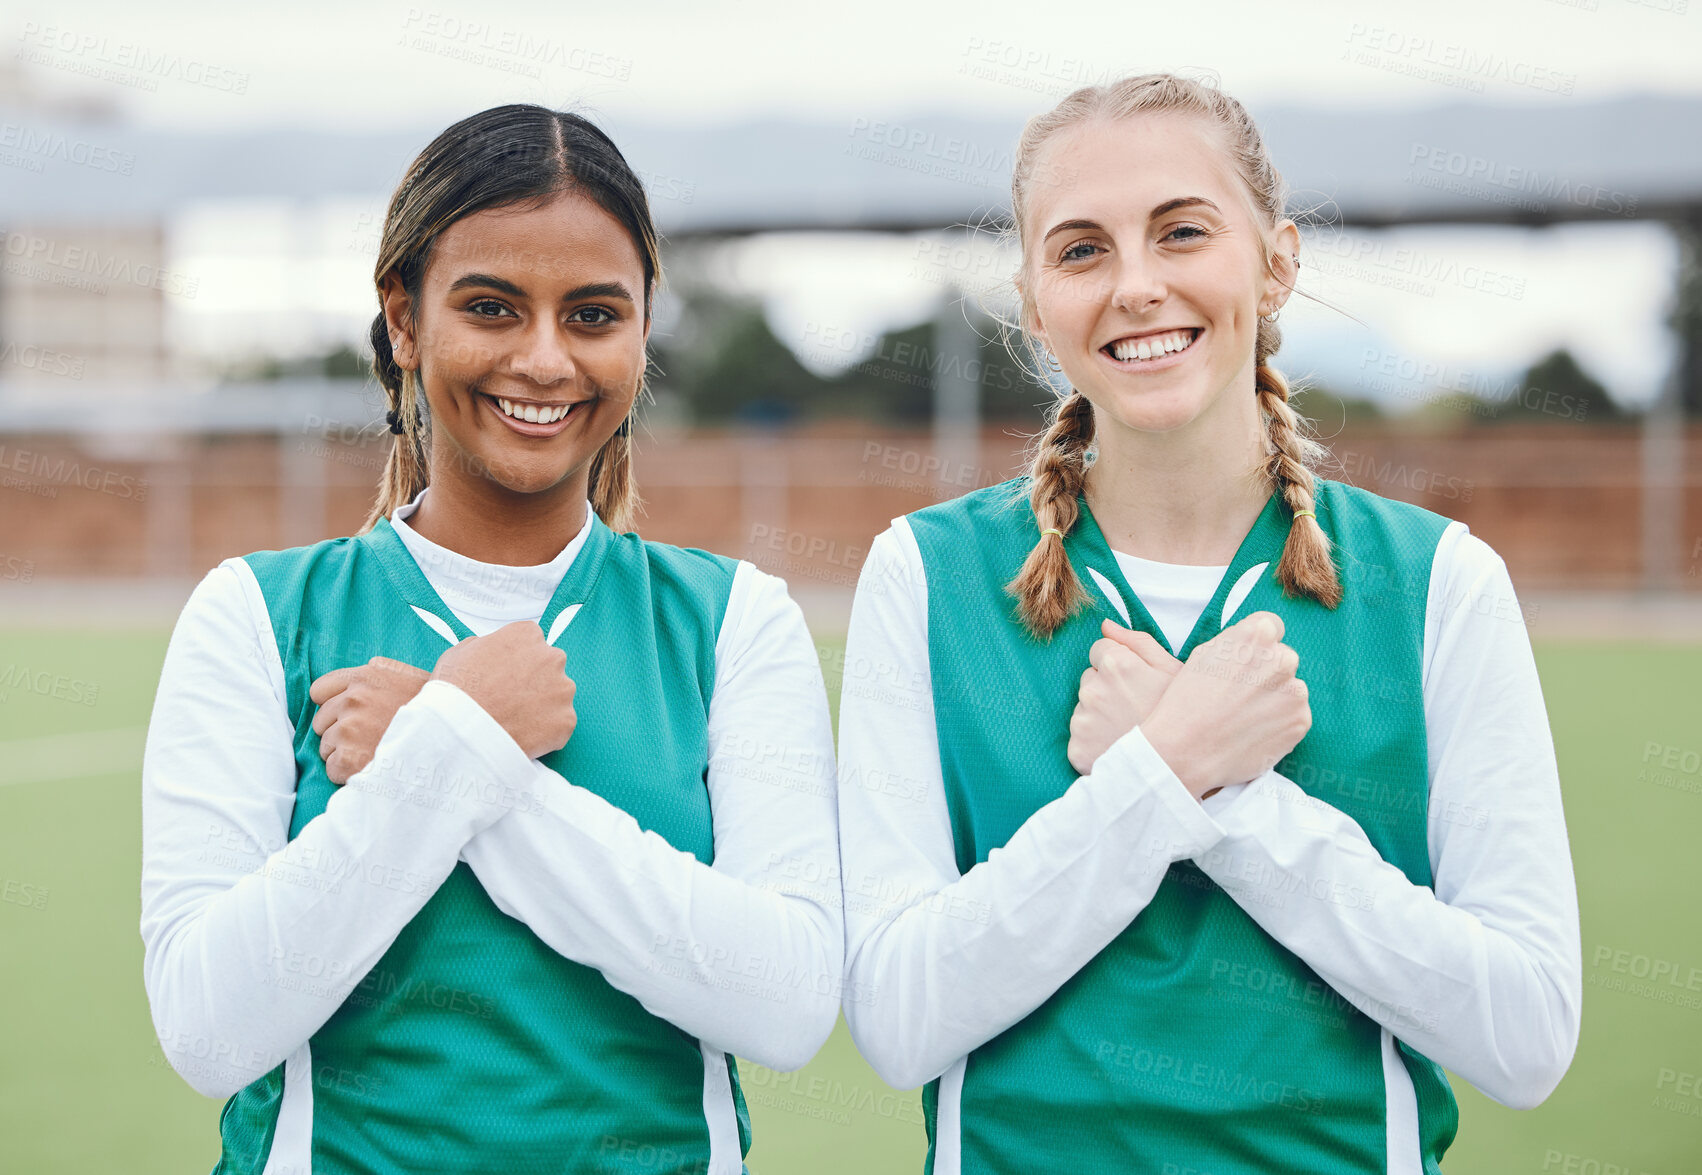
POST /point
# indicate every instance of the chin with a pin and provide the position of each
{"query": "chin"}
(1150, 411)
(519, 478)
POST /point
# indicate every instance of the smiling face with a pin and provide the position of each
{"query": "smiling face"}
(1147, 272)
(528, 338)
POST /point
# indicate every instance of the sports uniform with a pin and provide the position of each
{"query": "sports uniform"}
(1102, 973)
(466, 959)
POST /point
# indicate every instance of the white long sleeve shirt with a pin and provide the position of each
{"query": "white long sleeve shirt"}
(1480, 972)
(253, 940)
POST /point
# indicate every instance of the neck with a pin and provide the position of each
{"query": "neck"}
(1189, 495)
(484, 521)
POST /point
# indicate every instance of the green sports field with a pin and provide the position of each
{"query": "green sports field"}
(83, 1086)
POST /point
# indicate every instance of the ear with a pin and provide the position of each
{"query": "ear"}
(399, 320)
(1028, 316)
(1282, 269)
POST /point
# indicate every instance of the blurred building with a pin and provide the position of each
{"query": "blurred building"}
(84, 302)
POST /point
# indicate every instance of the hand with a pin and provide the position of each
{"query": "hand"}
(1234, 710)
(519, 680)
(1128, 674)
(355, 708)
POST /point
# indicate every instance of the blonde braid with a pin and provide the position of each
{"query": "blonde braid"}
(1047, 589)
(1305, 568)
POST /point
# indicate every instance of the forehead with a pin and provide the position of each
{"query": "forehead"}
(570, 239)
(1108, 170)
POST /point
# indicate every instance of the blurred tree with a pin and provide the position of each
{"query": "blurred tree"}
(897, 382)
(894, 384)
(347, 363)
(725, 364)
(1329, 410)
(1556, 388)
(341, 362)
(1686, 318)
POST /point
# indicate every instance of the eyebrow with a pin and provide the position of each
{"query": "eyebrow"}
(1167, 206)
(503, 286)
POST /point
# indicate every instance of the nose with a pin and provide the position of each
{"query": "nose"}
(1138, 284)
(543, 355)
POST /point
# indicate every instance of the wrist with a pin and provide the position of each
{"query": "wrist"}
(1181, 756)
(461, 681)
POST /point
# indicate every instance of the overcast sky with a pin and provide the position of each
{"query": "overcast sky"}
(411, 64)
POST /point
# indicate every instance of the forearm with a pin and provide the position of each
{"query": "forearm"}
(250, 947)
(944, 971)
(749, 967)
(1483, 987)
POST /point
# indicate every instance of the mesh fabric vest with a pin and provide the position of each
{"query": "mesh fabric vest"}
(471, 1045)
(1193, 1041)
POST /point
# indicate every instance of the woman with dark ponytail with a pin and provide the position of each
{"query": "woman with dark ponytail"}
(483, 839)
(1230, 810)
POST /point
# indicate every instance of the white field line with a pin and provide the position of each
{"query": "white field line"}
(80, 755)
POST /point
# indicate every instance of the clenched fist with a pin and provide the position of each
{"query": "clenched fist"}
(355, 708)
(1127, 675)
(1234, 710)
(519, 680)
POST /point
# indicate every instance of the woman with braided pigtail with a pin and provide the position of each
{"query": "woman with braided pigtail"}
(456, 856)
(1196, 809)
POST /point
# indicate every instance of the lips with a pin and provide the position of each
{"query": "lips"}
(1152, 346)
(528, 428)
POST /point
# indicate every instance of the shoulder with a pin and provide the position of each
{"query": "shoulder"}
(1004, 503)
(1380, 541)
(687, 563)
(1470, 573)
(1350, 505)
(294, 565)
(688, 589)
(225, 627)
(983, 536)
(762, 622)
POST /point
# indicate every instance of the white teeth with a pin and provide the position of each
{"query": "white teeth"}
(1153, 346)
(533, 413)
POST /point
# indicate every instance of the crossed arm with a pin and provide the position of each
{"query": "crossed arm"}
(252, 940)
(1481, 973)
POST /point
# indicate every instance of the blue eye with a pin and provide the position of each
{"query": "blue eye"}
(1077, 251)
(1195, 233)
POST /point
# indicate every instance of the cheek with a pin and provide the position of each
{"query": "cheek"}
(618, 360)
(1066, 306)
(457, 347)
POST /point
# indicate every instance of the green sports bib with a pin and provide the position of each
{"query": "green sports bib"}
(471, 1045)
(1194, 1041)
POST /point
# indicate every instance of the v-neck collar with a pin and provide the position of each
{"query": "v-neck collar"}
(1086, 547)
(416, 590)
